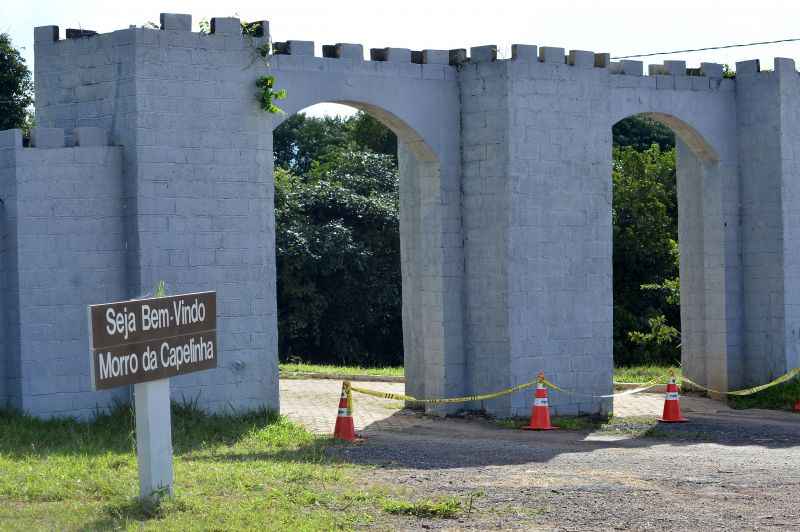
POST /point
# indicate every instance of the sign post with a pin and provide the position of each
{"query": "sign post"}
(144, 342)
(153, 438)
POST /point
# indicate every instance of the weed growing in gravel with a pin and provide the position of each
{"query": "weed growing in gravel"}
(448, 508)
(633, 426)
(563, 422)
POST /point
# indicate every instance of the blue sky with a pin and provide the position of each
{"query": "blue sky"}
(620, 27)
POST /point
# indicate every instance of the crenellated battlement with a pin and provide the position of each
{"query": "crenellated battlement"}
(231, 27)
(55, 137)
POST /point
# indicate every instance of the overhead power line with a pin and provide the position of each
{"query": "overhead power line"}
(708, 48)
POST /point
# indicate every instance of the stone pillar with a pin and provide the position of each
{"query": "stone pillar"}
(537, 221)
(710, 269)
(413, 345)
(769, 133)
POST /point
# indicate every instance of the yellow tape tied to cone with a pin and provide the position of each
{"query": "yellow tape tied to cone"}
(506, 391)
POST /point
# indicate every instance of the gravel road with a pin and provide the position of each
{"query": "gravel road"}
(726, 471)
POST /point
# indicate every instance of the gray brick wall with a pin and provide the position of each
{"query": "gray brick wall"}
(65, 251)
(505, 200)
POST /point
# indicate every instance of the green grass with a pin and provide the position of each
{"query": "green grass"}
(643, 373)
(780, 397)
(331, 369)
(583, 423)
(448, 508)
(254, 471)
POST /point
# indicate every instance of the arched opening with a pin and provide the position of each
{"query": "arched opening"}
(668, 287)
(353, 183)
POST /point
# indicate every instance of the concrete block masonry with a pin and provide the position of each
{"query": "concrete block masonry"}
(153, 161)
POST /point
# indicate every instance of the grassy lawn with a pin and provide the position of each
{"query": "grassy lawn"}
(622, 374)
(331, 369)
(256, 471)
(644, 373)
(780, 397)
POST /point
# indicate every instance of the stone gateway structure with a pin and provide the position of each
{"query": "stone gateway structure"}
(152, 160)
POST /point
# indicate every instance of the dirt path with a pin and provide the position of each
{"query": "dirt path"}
(725, 470)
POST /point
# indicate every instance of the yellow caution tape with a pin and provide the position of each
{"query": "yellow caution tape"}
(466, 399)
(643, 387)
(507, 391)
(749, 391)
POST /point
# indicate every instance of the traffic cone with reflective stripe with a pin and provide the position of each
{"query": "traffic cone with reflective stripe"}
(540, 413)
(344, 429)
(672, 406)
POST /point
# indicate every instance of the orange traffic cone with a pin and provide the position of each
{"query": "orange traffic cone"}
(344, 429)
(540, 413)
(672, 406)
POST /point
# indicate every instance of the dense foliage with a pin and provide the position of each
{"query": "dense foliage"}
(338, 242)
(645, 225)
(338, 245)
(16, 88)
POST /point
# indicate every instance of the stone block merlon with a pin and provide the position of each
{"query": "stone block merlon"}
(581, 58)
(354, 52)
(294, 48)
(524, 52)
(483, 54)
(45, 34)
(550, 54)
(391, 55)
(176, 22)
(226, 26)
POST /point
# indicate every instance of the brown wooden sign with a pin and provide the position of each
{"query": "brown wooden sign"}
(148, 339)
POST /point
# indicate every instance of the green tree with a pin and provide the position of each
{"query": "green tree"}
(370, 134)
(641, 132)
(16, 88)
(338, 256)
(646, 306)
(301, 140)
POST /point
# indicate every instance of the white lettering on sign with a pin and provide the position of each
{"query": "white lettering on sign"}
(191, 352)
(149, 360)
(111, 367)
(186, 314)
(154, 318)
(120, 322)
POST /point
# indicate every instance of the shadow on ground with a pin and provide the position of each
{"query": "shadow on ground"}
(421, 442)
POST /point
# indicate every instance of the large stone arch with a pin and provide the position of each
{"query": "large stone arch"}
(708, 231)
(429, 186)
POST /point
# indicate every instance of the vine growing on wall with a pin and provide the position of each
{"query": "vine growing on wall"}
(267, 95)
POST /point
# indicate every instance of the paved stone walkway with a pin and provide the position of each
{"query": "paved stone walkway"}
(314, 403)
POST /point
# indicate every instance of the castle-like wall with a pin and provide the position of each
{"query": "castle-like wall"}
(65, 250)
(505, 201)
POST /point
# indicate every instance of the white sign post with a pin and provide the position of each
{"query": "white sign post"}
(144, 342)
(153, 438)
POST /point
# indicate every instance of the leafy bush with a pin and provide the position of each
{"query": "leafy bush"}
(338, 254)
(645, 256)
